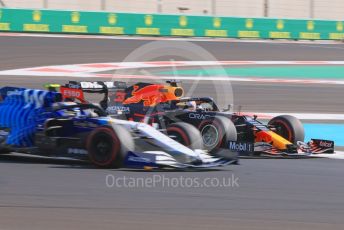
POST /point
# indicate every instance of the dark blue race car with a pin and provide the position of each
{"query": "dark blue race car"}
(42, 123)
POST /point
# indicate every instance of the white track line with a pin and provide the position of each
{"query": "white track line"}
(195, 78)
(88, 70)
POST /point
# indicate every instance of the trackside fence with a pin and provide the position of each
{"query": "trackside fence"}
(110, 23)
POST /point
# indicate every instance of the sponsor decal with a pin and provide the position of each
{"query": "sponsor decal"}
(148, 31)
(73, 85)
(15, 92)
(5, 26)
(112, 19)
(278, 34)
(76, 151)
(216, 33)
(36, 27)
(310, 25)
(72, 92)
(96, 84)
(241, 146)
(249, 23)
(90, 85)
(310, 36)
(217, 22)
(139, 159)
(116, 109)
(280, 24)
(183, 21)
(75, 17)
(148, 20)
(198, 116)
(35, 97)
(248, 34)
(74, 29)
(340, 26)
(111, 30)
(36, 15)
(336, 36)
(182, 32)
(323, 143)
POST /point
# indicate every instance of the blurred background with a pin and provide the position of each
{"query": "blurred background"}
(322, 9)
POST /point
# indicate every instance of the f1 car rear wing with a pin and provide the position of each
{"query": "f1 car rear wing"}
(117, 93)
(97, 85)
(113, 91)
(89, 86)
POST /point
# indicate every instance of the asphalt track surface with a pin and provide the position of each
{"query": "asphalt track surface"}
(38, 193)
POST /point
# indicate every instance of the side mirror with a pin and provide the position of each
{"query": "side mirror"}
(229, 107)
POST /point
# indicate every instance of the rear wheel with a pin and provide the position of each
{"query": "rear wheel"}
(217, 132)
(288, 127)
(108, 146)
(185, 134)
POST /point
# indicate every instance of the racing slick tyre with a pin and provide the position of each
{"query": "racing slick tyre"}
(186, 134)
(108, 146)
(288, 127)
(217, 132)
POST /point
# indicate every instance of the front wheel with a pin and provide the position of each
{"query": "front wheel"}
(217, 132)
(288, 127)
(185, 134)
(108, 146)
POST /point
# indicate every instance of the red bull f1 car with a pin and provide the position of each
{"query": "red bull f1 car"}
(162, 105)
